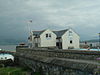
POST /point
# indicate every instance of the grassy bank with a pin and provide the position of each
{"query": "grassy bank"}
(12, 71)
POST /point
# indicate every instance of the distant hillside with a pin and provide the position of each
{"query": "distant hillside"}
(11, 41)
(93, 40)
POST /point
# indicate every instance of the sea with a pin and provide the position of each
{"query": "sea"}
(8, 47)
(91, 49)
(13, 48)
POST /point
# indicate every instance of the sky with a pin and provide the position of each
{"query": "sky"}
(83, 16)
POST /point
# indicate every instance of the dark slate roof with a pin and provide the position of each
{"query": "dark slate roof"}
(38, 33)
(60, 33)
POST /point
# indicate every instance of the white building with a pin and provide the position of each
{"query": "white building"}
(63, 39)
(89, 44)
(45, 38)
(67, 39)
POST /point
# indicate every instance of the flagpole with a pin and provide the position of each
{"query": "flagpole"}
(29, 29)
(99, 40)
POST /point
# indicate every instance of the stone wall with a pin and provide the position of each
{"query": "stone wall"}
(56, 66)
(71, 54)
(59, 62)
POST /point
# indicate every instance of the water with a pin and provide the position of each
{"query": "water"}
(91, 49)
(13, 48)
(8, 47)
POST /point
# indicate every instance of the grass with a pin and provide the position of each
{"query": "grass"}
(36, 73)
(12, 71)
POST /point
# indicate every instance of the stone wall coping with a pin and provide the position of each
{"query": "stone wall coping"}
(62, 51)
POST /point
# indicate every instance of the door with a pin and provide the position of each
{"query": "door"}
(36, 44)
(59, 45)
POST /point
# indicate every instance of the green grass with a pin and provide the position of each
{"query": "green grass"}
(36, 73)
(12, 71)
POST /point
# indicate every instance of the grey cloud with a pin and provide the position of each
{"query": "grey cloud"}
(53, 14)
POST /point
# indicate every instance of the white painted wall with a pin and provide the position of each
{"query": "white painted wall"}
(35, 40)
(66, 40)
(48, 42)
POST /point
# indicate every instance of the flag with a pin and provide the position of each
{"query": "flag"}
(30, 21)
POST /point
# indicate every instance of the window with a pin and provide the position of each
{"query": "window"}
(49, 35)
(5, 57)
(46, 35)
(71, 41)
(36, 35)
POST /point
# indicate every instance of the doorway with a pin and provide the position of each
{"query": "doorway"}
(59, 45)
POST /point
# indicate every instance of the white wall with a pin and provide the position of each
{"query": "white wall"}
(48, 42)
(66, 40)
(35, 40)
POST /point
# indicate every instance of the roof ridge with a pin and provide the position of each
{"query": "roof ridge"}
(38, 31)
(58, 33)
(61, 30)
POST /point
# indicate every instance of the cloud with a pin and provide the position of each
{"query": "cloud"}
(78, 14)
